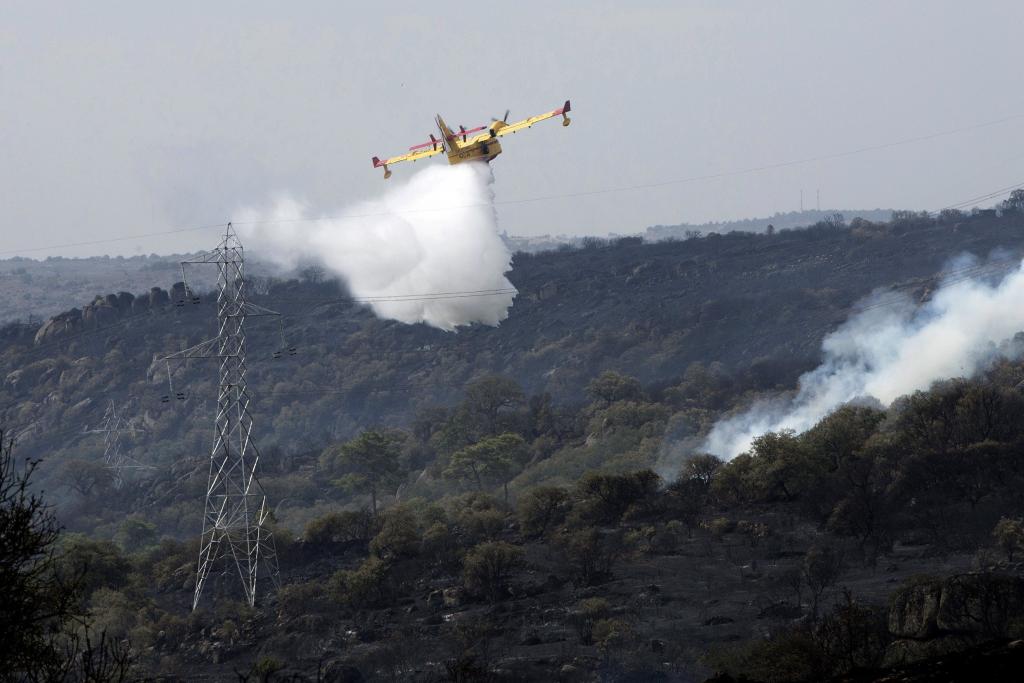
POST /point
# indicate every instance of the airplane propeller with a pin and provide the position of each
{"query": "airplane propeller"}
(504, 119)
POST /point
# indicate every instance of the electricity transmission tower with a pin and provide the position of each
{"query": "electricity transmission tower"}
(114, 425)
(236, 514)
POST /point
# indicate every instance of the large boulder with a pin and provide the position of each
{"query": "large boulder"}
(914, 611)
(178, 293)
(140, 303)
(931, 618)
(991, 605)
(158, 297)
(99, 313)
(59, 325)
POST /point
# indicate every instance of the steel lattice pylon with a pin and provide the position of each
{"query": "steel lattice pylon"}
(236, 513)
(114, 425)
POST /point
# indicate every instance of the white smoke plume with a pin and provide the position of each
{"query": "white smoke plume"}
(887, 351)
(424, 251)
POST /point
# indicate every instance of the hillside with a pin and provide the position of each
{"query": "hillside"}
(36, 289)
(756, 305)
(789, 220)
(520, 532)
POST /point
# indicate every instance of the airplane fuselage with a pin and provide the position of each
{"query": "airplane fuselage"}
(478, 151)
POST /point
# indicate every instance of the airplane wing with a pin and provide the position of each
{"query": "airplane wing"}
(499, 128)
(410, 156)
(427, 149)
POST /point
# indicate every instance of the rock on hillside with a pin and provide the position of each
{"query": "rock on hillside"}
(941, 616)
(104, 310)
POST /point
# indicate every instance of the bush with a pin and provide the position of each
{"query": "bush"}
(440, 546)
(720, 526)
(93, 564)
(667, 539)
(542, 508)
(587, 613)
(398, 537)
(612, 634)
(367, 586)
(487, 567)
(791, 655)
(853, 636)
(478, 516)
(298, 599)
(340, 527)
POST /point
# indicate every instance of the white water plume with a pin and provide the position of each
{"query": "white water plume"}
(425, 251)
(889, 349)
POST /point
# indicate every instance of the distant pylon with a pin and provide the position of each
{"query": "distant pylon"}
(114, 425)
(236, 512)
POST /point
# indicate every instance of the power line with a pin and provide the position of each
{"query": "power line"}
(665, 183)
(990, 195)
(565, 195)
(174, 231)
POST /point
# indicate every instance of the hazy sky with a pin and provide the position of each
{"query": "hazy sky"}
(126, 118)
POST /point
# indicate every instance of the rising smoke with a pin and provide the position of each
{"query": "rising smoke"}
(890, 350)
(426, 251)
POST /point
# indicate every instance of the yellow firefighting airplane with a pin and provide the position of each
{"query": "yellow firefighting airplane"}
(460, 147)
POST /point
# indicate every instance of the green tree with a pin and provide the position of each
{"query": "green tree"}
(86, 477)
(1009, 536)
(606, 497)
(592, 554)
(136, 534)
(40, 599)
(340, 527)
(33, 598)
(494, 460)
(369, 463)
(784, 467)
(487, 398)
(842, 433)
(822, 567)
(96, 563)
(701, 469)
(611, 386)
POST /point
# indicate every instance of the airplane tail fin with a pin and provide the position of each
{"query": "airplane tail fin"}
(450, 139)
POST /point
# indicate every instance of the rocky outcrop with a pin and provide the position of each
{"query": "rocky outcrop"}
(936, 617)
(60, 325)
(103, 310)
